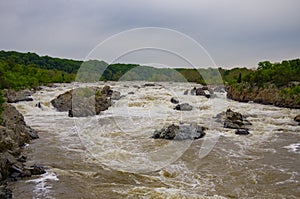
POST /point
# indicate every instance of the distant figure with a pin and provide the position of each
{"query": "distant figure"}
(70, 113)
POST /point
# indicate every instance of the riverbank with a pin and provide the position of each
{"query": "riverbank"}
(15, 134)
(268, 94)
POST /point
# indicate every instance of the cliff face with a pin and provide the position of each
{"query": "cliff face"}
(269, 95)
(14, 134)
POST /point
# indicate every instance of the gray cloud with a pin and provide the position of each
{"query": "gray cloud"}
(234, 32)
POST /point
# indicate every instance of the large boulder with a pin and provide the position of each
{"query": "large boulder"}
(13, 96)
(183, 107)
(82, 102)
(180, 132)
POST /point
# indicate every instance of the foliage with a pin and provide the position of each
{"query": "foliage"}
(44, 62)
(1, 105)
(280, 74)
(292, 92)
(19, 76)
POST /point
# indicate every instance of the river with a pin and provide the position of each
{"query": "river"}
(111, 155)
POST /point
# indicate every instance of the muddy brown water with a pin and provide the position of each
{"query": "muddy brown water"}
(91, 157)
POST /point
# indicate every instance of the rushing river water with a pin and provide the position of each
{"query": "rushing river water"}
(112, 155)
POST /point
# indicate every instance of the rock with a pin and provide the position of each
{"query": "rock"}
(37, 169)
(26, 173)
(174, 100)
(13, 96)
(38, 105)
(5, 193)
(205, 88)
(183, 107)
(70, 113)
(31, 132)
(82, 102)
(180, 132)
(13, 135)
(242, 132)
(297, 119)
(149, 84)
(22, 158)
(63, 102)
(233, 120)
(131, 93)
(17, 168)
(201, 92)
(186, 92)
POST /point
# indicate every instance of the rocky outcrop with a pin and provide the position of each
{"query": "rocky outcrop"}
(180, 132)
(82, 102)
(13, 96)
(297, 119)
(233, 120)
(269, 95)
(14, 134)
(183, 107)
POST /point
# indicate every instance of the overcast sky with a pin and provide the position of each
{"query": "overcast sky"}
(233, 32)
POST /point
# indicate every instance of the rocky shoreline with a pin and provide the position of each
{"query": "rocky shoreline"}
(267, 95)
(14, 136)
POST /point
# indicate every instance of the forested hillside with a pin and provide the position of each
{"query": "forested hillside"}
(27, 70)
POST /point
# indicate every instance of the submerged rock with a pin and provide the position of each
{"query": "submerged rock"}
(174, 100)
(186, 92)
(297, 119)
(242, 132)
(180, 132)
(183, 107)
(149, 84)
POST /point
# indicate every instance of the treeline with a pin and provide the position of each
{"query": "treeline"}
(18, 76)
(43, 62)
(21, 70)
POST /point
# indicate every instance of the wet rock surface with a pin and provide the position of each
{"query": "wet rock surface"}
(174, 100)
(13, 96)
(180, 132)
(233, 120)
(297, 119)
(268, 95)
(14, 135)
(242, 132)
(184, 107)
(82, 102)
(201, 91)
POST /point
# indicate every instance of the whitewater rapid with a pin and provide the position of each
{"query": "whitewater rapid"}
(111, 155)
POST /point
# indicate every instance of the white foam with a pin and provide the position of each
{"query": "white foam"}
(293, 148)
(43, 185)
